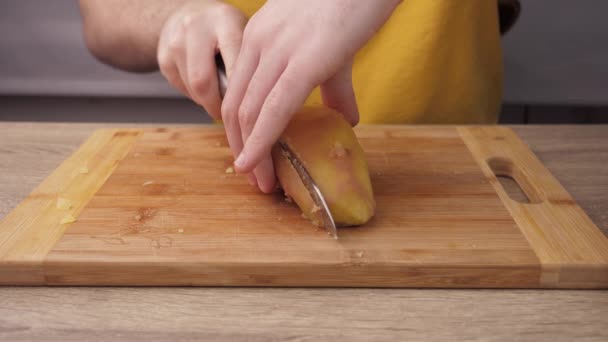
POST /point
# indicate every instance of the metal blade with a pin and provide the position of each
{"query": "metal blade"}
(313, 189)
(222, 80)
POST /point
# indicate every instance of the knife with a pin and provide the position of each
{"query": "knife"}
(315, 193)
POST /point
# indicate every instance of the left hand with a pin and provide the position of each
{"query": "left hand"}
(289, 47)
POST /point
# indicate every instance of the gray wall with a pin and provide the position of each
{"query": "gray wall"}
(556, 54)
(42, 52)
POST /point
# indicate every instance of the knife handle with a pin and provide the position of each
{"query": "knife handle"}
(222, 79)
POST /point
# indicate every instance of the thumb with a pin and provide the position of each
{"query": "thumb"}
(338, 93)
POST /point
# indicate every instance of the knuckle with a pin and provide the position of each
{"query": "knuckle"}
(164, 57)
(257, 18)
(200, 82)
(225, 108)
(176, 41)
(247, 32)
(251, 35)
(176, 44)
(224, 10)
(228, 117)
(170, 74)
(189, 22)
(164, 63)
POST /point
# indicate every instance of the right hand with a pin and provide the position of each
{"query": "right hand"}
(189, 41)
(289, 48)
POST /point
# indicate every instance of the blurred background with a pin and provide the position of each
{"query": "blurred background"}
(556, 69)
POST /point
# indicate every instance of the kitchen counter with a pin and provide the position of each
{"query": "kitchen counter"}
(576, 155)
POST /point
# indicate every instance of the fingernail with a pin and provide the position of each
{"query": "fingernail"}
(239, 163)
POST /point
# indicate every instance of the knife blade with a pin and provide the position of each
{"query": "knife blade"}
(222, 79)
(315, 193)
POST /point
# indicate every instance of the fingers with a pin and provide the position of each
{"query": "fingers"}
(188, 44)
(285, 98)
(200, 72)
(189, 41)
(338, 93)
(269, 104)
(230, 38)
(169, 70)
(264, 78)
(202, 82)
(230, 116)
(264, 174)
(170, 45)
(243, 68)
(238, 81)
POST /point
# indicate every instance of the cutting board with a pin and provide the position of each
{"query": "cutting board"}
(158, 207)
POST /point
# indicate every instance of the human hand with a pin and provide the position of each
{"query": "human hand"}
(289, 47)
(189, 41)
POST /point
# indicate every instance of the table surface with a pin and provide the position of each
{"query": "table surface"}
(576, 155)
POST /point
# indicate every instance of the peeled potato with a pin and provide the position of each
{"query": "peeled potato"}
(326, 145)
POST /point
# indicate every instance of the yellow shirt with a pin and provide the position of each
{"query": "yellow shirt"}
(434, 61)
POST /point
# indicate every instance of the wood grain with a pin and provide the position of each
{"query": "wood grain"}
(175, 180)
(29, 232)
(572, 250)
(271, 314)
(574, 154)
(170, 209)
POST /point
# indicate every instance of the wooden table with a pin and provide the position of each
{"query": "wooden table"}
(577, 156)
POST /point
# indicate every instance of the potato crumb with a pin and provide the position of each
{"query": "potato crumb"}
(288, 199)
(63, 204)
(229, 169)
(316, 223)
(69, 218)
(137, 217)
(304, 216)
(83, 170)
(146, 183)
(315, 208)
(180, 230)
(359, 254)
(338, 151)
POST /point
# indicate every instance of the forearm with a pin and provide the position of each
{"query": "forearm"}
(125, 33)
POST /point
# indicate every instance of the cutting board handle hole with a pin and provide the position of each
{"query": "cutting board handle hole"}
(513, 181)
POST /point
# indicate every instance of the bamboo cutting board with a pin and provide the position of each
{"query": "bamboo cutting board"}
(156, 207)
